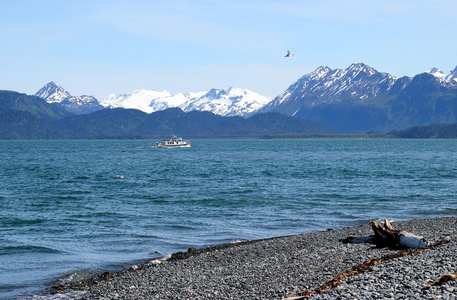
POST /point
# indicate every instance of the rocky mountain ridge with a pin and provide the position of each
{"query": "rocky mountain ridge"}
(54, 93)
(360, 98)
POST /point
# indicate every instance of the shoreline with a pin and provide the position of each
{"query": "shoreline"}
(284, 267)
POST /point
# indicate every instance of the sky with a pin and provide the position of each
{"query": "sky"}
(100, 47)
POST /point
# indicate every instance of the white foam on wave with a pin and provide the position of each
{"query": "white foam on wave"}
(60, 296)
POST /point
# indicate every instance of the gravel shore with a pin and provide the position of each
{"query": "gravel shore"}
(284, 267)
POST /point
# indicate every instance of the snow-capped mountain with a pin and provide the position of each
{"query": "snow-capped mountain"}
(54, 93)
(145, 100)
(452, 75)
(360, 98)
(231, 102)
(449, 78)
(355, 99)
(359, 83)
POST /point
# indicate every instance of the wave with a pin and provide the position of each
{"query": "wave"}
(76, 276)
(65, 296)
(8, 250)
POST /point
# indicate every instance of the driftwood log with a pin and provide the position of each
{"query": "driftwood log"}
(386, 236)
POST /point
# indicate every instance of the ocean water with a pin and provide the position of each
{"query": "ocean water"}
(68, 208)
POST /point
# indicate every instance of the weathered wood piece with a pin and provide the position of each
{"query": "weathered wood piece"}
(445, 278)
(386, 236)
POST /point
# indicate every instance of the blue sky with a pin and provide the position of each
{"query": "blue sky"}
(99, 47)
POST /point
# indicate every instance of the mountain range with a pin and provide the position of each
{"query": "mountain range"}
(360, 99)
(31, 117)
(357, 99)
(231, 102)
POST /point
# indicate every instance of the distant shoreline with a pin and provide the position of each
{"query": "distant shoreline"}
(247, 138)
(305, 136)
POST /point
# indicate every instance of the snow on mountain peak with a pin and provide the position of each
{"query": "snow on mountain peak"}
(449, 78)
(358, 82)
(231, 102)
(436, 72)
(320, 72)
(53, 93)
(142, 99)
(215, 93)
(234, 101)
(452, 76)
(454, 72)
(361, 67)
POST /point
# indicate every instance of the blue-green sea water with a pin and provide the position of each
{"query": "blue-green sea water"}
(68, 207)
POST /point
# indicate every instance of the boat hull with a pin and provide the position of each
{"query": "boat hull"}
(174, 142)
(159, 145)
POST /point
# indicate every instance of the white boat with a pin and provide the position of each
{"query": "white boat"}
(174, 142)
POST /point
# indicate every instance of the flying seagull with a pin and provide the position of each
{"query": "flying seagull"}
(289, 54)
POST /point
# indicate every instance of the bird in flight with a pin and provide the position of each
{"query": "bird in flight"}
(289, 54)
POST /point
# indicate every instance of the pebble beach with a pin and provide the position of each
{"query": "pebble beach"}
(290, 267)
